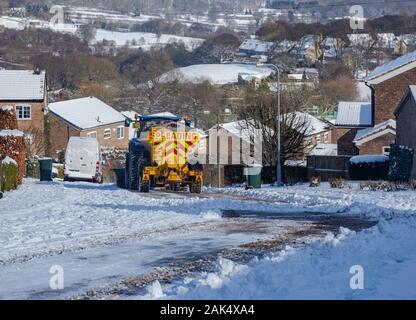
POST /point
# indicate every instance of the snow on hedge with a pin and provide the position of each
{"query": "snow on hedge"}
(8, 160)
(369, 159)
(7, 108)
(11, 133)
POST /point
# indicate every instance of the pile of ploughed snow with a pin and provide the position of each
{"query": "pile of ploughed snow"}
(378, 263)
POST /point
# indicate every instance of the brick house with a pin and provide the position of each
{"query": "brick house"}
(25, 90)
(351, 117)
(377, 139)
(405, 120)
(317, 133)
(388, 83)
(86, 117)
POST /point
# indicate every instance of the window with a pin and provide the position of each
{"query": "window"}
(92, 134)
(309, 142)
(120, 132)
(24, 112)
(386, 151)
(326, 137)
(107, 134)
(318, 139)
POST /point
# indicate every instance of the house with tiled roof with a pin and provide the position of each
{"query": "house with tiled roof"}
(388, 83)
(86, 117)
(25, 90)
(253, 47)
(351, 117)
(377, 139)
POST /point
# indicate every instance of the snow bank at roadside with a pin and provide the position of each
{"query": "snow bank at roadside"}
(326, 199)
(321, 270)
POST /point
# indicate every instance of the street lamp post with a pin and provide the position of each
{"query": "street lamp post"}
(278, 126)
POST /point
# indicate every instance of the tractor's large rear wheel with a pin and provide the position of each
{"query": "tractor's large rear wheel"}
(139, 158)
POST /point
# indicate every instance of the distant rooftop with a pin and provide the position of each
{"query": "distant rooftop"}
(354, 114)
(392, 65)
(257, 46)
(314, 124)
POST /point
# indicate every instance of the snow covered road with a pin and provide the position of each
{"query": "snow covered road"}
(48, 218)
(227, 243)
(100, 234)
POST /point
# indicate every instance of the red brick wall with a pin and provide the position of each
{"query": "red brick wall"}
(344, 139)
(113, 142)
(60, 132)
(375, 146)
(389, 93)
(35, 126)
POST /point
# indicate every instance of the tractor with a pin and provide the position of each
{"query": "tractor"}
(158, 155)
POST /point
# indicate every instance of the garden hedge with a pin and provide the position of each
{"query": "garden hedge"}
(10, 175)
(375, 168)
(400, 163)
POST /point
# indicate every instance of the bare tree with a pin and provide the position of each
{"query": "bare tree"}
(260, 113)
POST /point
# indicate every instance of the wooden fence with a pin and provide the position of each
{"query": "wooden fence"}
(328, 167)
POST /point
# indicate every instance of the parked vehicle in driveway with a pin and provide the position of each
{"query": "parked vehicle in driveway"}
(83, 160)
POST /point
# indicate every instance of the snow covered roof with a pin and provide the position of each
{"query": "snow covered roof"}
(392, 65)
(240, 129)
(21, 85)
(8, 160)
(257, 46)
(354, 114)
(219, 74)
(164, 114)
(131, 114)
(315, 125)
(86, 112)
(308, 71)
(325, 149)
(370, 158)
(379, 128)
(6, 108)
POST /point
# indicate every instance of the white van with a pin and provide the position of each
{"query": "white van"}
(83, 160)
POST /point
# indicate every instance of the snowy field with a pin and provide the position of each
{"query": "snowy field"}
(103, 235)
(219, 74)
(144, 40)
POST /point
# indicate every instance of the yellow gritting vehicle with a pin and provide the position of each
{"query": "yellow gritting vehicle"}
(159, 155)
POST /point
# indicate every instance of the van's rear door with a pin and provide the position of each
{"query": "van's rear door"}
(81, 158)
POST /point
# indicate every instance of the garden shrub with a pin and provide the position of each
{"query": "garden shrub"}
(369, 167)
(10, 175)
(400, 163)
(32, 168)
